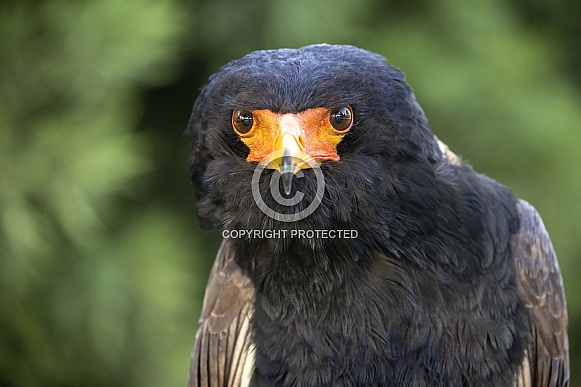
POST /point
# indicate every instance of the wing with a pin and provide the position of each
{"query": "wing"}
(222, 354)
(546, 361)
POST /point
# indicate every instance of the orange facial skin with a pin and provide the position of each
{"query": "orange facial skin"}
(305, 136)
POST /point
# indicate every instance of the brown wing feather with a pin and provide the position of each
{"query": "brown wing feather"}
(223, 340)
(541, 287)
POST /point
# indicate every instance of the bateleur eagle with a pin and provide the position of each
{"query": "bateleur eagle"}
(410, 269)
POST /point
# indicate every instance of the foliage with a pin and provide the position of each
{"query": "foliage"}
(83, 299)
(102, 267)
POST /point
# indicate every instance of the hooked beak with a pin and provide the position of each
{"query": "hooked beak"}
(293, 159)
(290, 146)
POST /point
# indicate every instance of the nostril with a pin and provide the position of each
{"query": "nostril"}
(302, 142)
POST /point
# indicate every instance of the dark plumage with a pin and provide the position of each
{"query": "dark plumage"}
(451, 280)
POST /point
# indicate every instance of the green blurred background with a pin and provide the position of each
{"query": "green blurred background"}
(102, 265)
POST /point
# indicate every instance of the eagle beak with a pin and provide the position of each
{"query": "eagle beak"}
(287, 173)
(291, 147)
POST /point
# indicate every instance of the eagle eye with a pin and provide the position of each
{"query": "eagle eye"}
(341, 119)
(242, 121)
